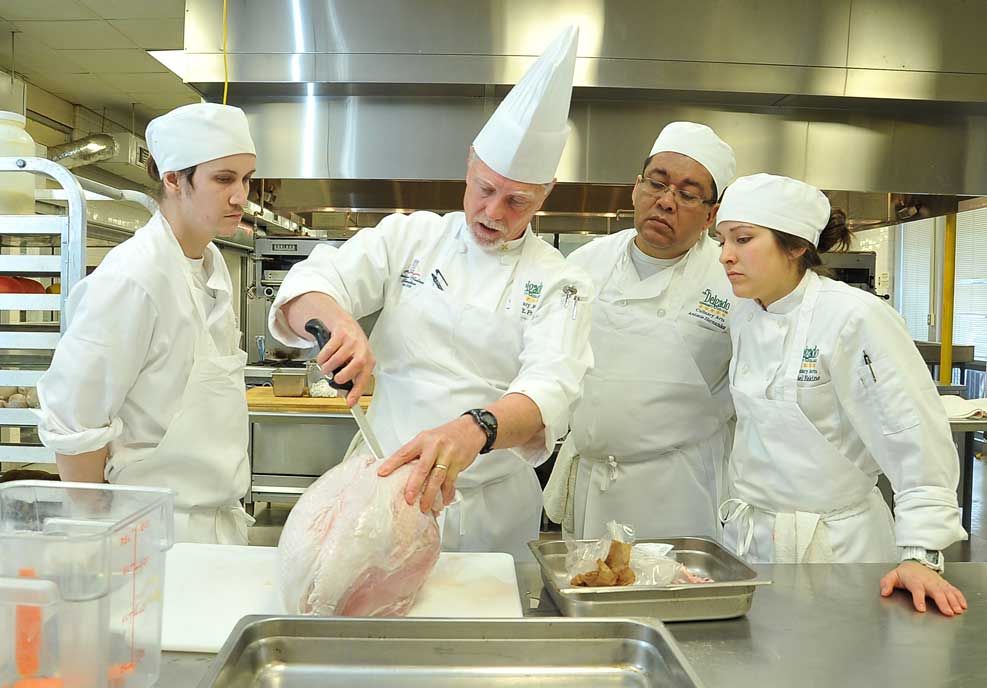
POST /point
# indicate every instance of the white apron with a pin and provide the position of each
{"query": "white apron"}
(794, 497)
(203, 454)
(439, 358)
(649, 438)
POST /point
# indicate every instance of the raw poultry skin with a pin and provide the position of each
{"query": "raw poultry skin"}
(352, 546)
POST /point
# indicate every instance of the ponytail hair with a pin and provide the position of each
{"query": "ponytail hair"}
(152, 171)
(835, 236)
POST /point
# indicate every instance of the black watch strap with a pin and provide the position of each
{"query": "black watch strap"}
(488, 423)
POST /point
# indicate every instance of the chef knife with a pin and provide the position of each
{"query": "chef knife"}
(317, 329)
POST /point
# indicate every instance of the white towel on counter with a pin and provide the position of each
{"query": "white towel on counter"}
(958, 408)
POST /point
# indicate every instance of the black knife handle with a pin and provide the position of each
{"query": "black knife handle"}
(318, 329)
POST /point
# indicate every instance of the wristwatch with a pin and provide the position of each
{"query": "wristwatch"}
(488, 423)
(929, 558)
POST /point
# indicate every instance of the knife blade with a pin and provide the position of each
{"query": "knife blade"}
(318, 329)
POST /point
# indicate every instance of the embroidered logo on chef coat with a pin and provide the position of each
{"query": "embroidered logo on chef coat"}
(532, 295)
(410, 276)
(809, 372)
(712, 309)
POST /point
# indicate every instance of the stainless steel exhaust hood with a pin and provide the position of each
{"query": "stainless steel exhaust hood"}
(373, 105)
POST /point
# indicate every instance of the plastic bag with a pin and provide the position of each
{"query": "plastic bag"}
(651, 563)
(352, 546)
(605, 562)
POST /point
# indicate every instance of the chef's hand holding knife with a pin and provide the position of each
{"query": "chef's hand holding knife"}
(348, 350)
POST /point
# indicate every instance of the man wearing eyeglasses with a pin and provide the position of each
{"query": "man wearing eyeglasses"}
(653, 428)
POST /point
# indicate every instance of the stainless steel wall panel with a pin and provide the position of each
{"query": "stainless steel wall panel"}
(806, 32)
(291, 137)
(847, 151)
(927, 86)
(402, 138)
(918, 35)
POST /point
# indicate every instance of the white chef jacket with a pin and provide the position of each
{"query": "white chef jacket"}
(883, 417)
(461, 327)
(116, 373)
(651, 431)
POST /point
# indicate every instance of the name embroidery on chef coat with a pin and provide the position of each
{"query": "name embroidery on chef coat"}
(410, 277)
(532, 295)
(713, 309)
(809, 372)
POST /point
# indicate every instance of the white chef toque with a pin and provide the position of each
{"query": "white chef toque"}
(524, 138)
(193, 134)
(700, 143)
(780, 203)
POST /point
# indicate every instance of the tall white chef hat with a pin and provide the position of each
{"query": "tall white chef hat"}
(781, 203)
(701, 144)
(193, 134)
(524, 138)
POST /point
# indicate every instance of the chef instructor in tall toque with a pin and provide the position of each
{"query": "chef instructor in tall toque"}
(483, 334)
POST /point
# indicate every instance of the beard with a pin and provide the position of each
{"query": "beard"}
(485, 239)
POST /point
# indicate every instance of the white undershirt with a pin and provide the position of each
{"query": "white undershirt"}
(647, 266)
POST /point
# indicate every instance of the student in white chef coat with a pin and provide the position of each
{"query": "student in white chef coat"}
(482, 338)
(146, 385)
(654, 425)
(830, 391)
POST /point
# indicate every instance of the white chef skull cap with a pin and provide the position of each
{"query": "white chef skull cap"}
(198, 133)
(780, 203)
(700, 143)
(524, 138)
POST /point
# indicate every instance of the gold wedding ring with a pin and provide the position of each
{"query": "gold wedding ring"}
(441, 465)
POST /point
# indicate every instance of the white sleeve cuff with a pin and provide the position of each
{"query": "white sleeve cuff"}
(278, 323)
(540, 447)
(63, 441)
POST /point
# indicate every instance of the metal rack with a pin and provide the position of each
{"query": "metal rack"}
(69, 266)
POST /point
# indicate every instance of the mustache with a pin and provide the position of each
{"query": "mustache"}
(492, 224)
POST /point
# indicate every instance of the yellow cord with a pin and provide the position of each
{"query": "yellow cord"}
(226, 66)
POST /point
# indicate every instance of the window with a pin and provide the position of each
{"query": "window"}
(970, 299)
(915, 276)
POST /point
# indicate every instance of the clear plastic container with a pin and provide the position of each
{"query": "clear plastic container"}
(81, 583)
(16, 188)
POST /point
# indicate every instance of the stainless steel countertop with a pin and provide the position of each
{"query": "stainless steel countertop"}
(816, 625)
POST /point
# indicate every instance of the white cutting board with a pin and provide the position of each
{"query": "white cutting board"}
(209, 588)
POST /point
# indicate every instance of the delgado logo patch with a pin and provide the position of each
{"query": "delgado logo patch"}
(809, 372)
(712, 309)
(532, 295)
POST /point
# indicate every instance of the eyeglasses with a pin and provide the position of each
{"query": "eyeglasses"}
(654, 189)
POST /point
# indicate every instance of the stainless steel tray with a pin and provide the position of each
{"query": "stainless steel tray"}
(729, 596)
(310, 652)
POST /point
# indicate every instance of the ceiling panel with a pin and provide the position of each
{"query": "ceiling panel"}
(75, 35)
(45, 9)
(115, 61)
(136, 9)
(31, 57)
(153, 34)
(165, 83)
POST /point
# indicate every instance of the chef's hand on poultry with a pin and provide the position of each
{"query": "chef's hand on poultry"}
(348, 348)
(441, 454)
(923, 582)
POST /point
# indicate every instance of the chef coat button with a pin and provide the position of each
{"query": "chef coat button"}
(768, 376)
(622, 303)
(661, 312)
(750, 316)
(744, 369)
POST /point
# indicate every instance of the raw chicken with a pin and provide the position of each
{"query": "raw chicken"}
(353, 547)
